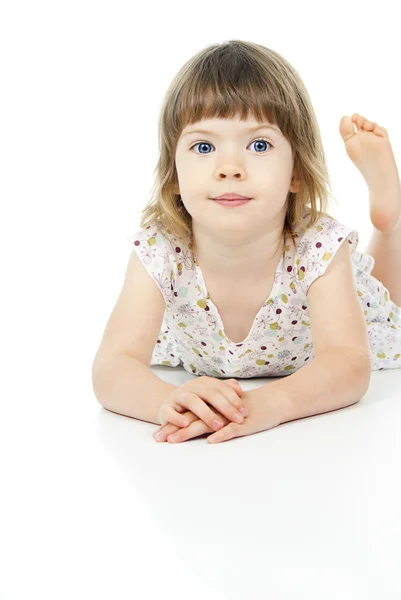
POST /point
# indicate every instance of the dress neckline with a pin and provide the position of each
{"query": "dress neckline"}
(273, 292)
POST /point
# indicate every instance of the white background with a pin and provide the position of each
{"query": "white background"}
(91, 506)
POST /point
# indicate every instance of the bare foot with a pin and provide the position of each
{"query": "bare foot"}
(370, 150)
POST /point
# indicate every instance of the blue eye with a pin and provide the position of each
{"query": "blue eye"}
(208, 144)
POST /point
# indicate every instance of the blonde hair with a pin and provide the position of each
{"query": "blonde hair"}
(240, 78)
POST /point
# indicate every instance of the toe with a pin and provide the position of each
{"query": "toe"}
(346, 128)
(369, 125)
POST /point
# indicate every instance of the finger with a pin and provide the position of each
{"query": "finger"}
(203, 410)
(235, 383)
(235, 386)
(161, 434)
(226, 401)
(169, 429)
(196, 428)
(188, 415)
(166, 426)
(227, 433)
(171, 415)
(232, 396)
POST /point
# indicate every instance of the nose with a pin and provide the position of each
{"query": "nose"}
(230, 171)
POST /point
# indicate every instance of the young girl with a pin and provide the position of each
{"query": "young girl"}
(235, 275)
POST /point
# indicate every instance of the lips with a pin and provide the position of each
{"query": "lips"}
(231, 197)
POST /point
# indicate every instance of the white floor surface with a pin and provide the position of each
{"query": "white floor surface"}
(93, 507)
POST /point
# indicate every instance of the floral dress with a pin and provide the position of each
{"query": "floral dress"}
(280, 340)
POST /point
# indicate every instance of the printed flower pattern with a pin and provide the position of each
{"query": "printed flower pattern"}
(280, 340)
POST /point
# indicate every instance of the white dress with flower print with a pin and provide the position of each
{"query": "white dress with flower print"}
(280, 340)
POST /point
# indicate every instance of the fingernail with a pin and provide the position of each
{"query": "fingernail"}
(159, 435)
(243, 411)
(238, 418)
(217, 424)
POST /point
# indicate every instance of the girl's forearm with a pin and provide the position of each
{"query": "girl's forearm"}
(331, 381)
(125, 385)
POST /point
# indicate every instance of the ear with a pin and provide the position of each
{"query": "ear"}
(295, 184)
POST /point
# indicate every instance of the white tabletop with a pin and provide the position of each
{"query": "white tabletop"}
(93, 507)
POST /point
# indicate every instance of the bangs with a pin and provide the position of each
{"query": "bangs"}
(227, 88)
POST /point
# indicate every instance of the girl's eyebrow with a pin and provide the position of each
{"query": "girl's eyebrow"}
(207, 131)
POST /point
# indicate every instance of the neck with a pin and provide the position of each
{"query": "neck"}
(251, 268)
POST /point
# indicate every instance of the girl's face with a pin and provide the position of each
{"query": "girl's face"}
(257, 164)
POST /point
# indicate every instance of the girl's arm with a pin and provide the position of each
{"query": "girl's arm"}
(333, 380)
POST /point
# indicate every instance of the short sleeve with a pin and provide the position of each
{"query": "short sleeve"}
(157, 256)
(317, 247)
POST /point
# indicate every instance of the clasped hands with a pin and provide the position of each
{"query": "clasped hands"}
(203, 400)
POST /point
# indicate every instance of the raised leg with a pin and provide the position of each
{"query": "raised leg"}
(385, 247)
(370, 150)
